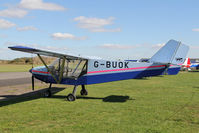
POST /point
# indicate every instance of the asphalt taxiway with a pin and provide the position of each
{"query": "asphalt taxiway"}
(18, 84)
(13, 84)
(14, 78)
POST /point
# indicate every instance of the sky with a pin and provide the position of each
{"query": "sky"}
(111, 29)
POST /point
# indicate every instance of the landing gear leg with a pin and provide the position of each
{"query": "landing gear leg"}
(48, 92)
(83, 91)
(72, 96)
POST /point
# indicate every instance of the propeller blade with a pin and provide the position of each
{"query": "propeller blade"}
(33, 83)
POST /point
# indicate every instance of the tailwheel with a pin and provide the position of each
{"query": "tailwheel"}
(71, 97)
(47, 93)
(84, 92)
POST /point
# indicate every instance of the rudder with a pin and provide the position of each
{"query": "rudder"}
(173, 52)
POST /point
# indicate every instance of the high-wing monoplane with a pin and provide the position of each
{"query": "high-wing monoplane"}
(81, 71)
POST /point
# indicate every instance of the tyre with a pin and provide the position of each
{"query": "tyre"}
(71, 97)
(83, 92)
(47, 93)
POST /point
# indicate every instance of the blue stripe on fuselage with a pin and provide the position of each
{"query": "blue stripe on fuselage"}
(173, 70)
(94, 79)
(109, 77)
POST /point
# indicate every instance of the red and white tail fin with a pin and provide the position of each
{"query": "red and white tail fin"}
(187, 63)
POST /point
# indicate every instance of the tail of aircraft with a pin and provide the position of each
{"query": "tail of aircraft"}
(173, 52)
(173, 55)
(187, 63)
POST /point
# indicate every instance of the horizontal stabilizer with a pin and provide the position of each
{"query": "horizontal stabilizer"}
(173, 52)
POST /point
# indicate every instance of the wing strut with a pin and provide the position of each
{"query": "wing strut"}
(77, 67)
(62, 70)
(47, 68)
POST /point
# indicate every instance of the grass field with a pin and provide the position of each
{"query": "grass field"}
(168, 104)
(14, 68)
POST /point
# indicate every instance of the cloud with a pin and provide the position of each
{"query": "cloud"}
(8, 43)
(40, 5)
(105, 30)
(194, 47)
(95, 24)
(62, 36)
(6, 53)
(26, 28)
(3, 36)
(54, 48)
(37, 46)
(13, 13)
(117, 46)
(4, 24)
(197, 30)
(20, 10)
(3, 49)
(159, 45)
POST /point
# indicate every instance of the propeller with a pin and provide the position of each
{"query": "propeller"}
(33, 78)
(33, 82)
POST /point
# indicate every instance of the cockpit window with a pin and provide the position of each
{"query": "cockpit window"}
(72, 68)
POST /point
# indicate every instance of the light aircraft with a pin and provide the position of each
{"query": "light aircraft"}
(79, 70)
(188, 65)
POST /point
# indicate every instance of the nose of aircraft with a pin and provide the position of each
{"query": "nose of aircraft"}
(38, 70)
(30, 70)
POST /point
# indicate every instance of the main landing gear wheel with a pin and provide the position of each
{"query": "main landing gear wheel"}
(71, 97)
(47, 93)
(84, 92)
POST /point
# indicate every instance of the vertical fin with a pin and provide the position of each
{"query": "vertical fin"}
(173, 52)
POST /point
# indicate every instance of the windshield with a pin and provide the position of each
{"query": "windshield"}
(72, 68)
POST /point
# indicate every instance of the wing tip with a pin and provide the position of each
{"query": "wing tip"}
(20, 47)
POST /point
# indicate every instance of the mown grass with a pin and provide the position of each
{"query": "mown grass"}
(14, 68)
(167, 104)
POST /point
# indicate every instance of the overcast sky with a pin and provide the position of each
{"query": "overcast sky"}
(125, 29)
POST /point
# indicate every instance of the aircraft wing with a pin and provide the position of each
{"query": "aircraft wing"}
(46, 53)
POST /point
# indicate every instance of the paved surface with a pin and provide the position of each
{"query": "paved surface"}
(18, 84)
(14, 75)
(14, 84)
(15, 78)
(11, 82)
